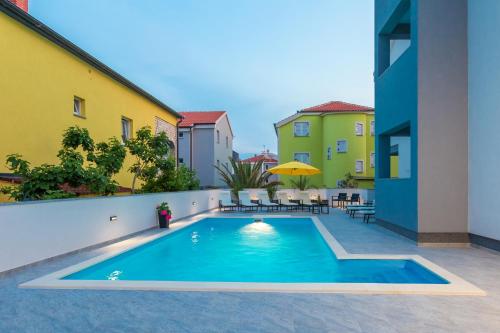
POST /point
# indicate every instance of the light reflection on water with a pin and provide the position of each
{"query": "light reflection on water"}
(195, 238)
(114, 275)
(258, 228)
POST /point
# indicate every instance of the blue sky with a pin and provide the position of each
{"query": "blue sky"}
(261, 60)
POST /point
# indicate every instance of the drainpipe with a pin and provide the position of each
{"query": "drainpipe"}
(177, 145)
(191, 130)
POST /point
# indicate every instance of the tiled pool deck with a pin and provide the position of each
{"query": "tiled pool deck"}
(28, 310)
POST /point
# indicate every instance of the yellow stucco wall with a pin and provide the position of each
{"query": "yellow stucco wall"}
(38, 81)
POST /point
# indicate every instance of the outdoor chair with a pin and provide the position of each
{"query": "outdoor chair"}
(367, 214)
(359, 209)
(265, 202)
(226, 203)
(349, 209)
(354, 198)
(323, 204)
(285, 202)
(306, 202)
(340, 199)
(246, 203)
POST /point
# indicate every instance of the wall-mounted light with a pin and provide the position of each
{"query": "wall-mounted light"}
(113, 218)
(193, 203)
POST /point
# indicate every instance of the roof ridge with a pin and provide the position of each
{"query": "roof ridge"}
(20, 16)
(356, 107)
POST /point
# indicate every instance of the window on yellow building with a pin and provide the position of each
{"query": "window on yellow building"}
(341, 146)
(126, 129)
(78, 106)
(372, 127)
(372, 160)
(360, 166)
(329, 153)
(301, 128)
(302, 157)
(358, 128)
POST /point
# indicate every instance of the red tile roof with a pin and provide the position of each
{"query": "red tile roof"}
(257, 158)
(338, 106)
(200, 117)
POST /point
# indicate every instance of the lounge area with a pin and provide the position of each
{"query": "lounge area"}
(297, 201)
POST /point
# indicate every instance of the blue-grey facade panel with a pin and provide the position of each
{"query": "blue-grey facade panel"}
(396, 95)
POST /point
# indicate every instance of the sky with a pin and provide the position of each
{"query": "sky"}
(259, 60)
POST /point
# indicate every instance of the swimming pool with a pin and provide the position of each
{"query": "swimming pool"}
(273, 254)
(241, 250)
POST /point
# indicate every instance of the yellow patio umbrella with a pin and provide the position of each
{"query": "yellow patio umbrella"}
(294, 168)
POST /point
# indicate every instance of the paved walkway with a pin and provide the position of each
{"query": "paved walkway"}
(23, 310)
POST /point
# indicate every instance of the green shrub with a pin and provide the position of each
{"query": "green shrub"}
(155, 167)
(95, 169)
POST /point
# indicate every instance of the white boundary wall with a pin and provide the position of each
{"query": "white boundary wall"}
(34, 231)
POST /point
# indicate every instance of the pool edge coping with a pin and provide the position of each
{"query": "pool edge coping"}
(456, 285)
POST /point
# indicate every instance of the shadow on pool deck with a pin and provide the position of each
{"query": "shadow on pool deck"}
(26, 310)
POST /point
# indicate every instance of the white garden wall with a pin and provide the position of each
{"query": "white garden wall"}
(34, 231)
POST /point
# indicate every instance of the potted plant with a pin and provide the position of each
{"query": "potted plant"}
(164, 215)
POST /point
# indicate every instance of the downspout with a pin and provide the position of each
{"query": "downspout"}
(191, 148)
(177, 145)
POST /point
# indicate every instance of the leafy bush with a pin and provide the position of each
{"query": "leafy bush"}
(246, 176)
(348, 182)
(154, 167)
(95, 170)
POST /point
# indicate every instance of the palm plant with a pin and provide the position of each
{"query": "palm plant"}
(246, 176)
(303, 183)
(348, 182)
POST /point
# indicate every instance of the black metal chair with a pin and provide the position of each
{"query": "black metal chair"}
(354, 198)
(340, 199)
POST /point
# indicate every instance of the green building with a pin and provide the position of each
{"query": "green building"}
(336, 137)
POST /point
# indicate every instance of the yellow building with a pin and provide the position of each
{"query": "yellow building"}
(48, 84)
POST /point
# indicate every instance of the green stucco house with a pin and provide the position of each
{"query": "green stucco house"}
(336, 137)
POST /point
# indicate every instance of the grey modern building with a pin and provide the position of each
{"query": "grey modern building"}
(437, 85)
(205, 140)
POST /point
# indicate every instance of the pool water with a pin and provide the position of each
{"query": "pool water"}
(240, 250)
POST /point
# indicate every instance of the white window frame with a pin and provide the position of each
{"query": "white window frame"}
(295, 129)
(362, 166)
(78, 106)
(372, 127)
(357, 125)
(302, 152)
(126, 130)
(346, 146)
(372, 159)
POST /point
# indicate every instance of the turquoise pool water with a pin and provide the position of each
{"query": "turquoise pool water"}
(241, 250)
